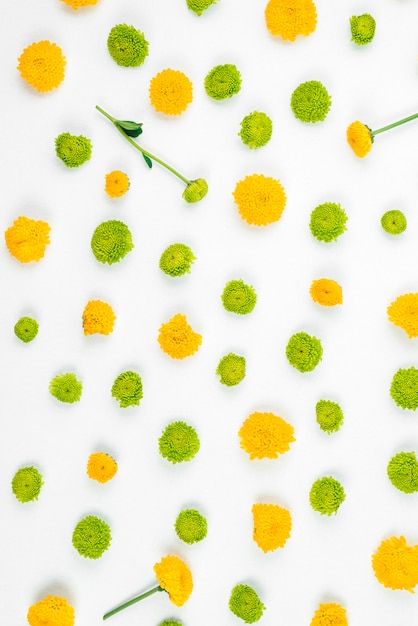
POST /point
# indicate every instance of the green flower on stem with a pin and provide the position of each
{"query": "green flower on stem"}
(198, 6)
(402, 471)
(191, 526)
(111, 241)
(245, 604)
(310, 102)
(329, 416)
(326, 495)
(127, 46)
(73, 150)
(179, 442)
(66, 388)
(127, 389)
(223, 81)
(26, 329)
(404, 388)
(231, 369)
(238, 297)
(304, 351)
(328, 221)
(362, 28)
(177, 259)
(393, 222)
(256, 129)
(26, 484)
(91, 537)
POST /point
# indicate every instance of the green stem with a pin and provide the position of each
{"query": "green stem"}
(129, 602)
(389, 126)
(145, 152)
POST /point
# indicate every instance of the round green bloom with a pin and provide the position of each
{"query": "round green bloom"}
(304, 351)
(73, 150)
(127, 46)
(66, 388)
(26, 484)
(179, 442)
(231, 369)
(329, 416)
(191, 526)
(223, 81)
(91, 537)
(127, 389)
(326, 495)
(111, 241)
(195, 190)
(328, 221)
(245, 604)
(237, 297)
(256, 129)
(177, 259)
(310, 102)
(393, 222)
(362, 28)
(198, 6)
(403, 472)
(404, 388)
(170, 622)
(26, 329)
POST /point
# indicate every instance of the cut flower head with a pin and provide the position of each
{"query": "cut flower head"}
(260, 199)
(98, 317)
(265, 435)
(395, 564)
(51, 611)
(272, 526)
(360, 137)
(116, 184)
(177, 338)
(330, 614)
(326, 292)
(170, 92)
(42, 65)
(403, 312)
(78, 4)
(27, 239)
(245, 604)
(290, 18)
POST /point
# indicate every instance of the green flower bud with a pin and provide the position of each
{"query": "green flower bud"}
(195, 190)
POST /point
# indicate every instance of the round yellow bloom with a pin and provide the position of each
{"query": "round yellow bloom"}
(177, 338)
(272, 526)
(42, 65)
(326, 292)
(289, 18)
(101, 467)
(260, 199)
(77, 4)
(360, 138)
(395, 564)
(175, 577)
(330, 614)
(51, 611)
(265, 435)
(403, 312)
(116, 184)
(98, 317)
(27, 239)
(170, 92)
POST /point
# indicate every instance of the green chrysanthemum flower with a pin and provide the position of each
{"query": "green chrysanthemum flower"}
(73, 150)
(26, 329)
(91, 537)
(198, 6)
(223, 81)
(191, 526)
(256, 129)
(393, 222)
(362, 28)
(127, 46)
(403, 472)
(179, 442)
(404, 388)
(310, 102)
(127, 389)
(111, 241)
(245, 604)
(329, 416)
(304, 351)
(195, 190)
(328, 221)
(171, 622)
(66, 388)
(177, 259)
(238, 297)
(326, 495)
(231, 369)
(26, 484)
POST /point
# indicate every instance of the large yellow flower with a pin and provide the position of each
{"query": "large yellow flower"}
(51, 611)
(326, 292)
(177, 338)
(77, 4)
(27, 239)
(170, 92)
(272, 526)
(175, 577)
(265, 435)
(403, 312)
(101, 467)
(260, 199)
(42, 65)
(395, 564)
(330, 614)
(360, 138)
(289, 18)
(98, 317)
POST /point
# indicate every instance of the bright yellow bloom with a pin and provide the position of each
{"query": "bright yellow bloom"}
(175, 577)
(330, 614)
(27, 239)
(326, 292)
(101, 467)
(403, 312)
(177, 338)
(42, 65)
(77, 4)
(360, 138)
(260, 199)
(265, 435)
(116, 184)
(289, 18)
(395, 564)
(51, 611)
(98, 317)
(170, 92)
(272, 526)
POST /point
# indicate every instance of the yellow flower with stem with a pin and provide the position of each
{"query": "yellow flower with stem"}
(42, 65)
(326, 292)
(170, 92)
(173, 576)
(27, 239)
(360, 137)
(403, 312)
(98, 317)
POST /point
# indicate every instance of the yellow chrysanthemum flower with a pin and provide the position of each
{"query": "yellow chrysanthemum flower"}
(265, 435)
(42, 65)
(77, 4)
(326, 292)
(177, 338)
(403, 312)
(260, 199)
(101, 467)
(330, 614)
(272, 526)
(170, 92)
(395, 564)
(175, 577)
(290, 18)
(51, 611)
(360, 138)
(27, 239)
(98, 317)
(116, 184)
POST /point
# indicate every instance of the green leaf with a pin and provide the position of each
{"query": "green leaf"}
(147, 160)
(133, 129)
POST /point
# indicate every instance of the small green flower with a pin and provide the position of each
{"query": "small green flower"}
(231, 369)
(329, 416)
(223, 81)
(66, 388)
(310, 102)
(179, 442)
(73, 150)
(326, 495)
(198, 6)
(393, 222)
(127, 389)
(195, 190)
(237, 297)
(111, 241)
(170, 622)
(245, 604)
(91, 537)
(26, 484)
(403, 472)
(127, 46)
(304, 351)
(256, 129)
(191, 526)
(26, 329)
(404, 388)
(328, 221)
(362, 28)
(177, 259)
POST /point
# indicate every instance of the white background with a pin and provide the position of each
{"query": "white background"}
(327, 559)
